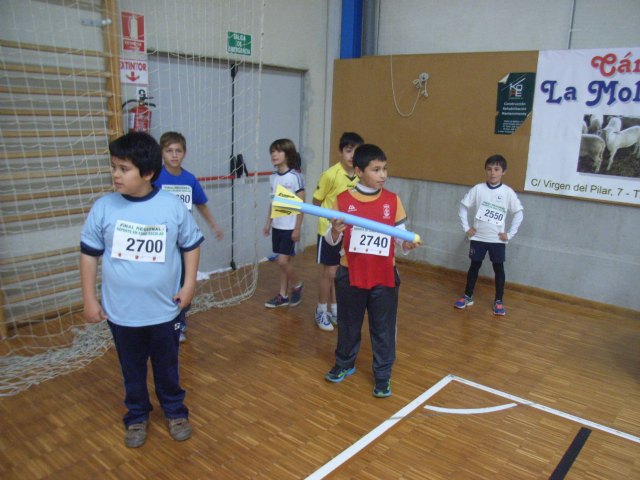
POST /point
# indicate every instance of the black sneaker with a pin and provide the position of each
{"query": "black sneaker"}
(338, 374)
(296, 295)
(382, 388)
(277, 301)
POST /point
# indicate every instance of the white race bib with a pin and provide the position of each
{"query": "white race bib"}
(369, 242)
(491, 213)
(139, 243)
(183, 192)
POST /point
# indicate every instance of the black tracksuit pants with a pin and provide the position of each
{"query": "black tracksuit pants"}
(381, 304)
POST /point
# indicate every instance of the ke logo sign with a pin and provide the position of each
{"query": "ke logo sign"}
(132, 32)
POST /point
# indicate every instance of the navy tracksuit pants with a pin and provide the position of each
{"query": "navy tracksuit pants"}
(135, 346)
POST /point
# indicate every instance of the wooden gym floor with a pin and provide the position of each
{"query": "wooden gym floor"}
(261, 408)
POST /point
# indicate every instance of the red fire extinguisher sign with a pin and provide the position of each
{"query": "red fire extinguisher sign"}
(132, 32)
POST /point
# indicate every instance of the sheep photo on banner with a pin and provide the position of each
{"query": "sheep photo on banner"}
(585, 132)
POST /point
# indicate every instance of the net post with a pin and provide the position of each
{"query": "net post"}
(111, 46)
(4, 331)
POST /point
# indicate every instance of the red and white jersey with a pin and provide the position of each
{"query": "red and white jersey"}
(368, 269)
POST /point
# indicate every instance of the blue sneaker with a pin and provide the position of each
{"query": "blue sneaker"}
(382, 388)
(296, 295)
(277, 301)
(338, 374)
(273, 257)
(498, 308)
(464, 302)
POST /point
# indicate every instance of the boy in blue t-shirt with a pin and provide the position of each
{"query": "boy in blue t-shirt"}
(143, 236)
(182, 183)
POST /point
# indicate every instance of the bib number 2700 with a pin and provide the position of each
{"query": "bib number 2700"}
(139, 243)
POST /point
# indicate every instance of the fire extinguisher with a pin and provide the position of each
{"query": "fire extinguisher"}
(139, 117)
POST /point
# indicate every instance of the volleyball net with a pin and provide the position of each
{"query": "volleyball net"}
(66, 70)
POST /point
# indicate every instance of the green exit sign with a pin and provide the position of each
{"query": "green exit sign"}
(239, 43)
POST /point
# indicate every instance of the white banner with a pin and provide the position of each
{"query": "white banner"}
(585, 132)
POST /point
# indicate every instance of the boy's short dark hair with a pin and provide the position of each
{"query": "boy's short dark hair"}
(496, 160)
(289, 148)
(350, 139)
(365, 154)
(141, 149)
(169, 138)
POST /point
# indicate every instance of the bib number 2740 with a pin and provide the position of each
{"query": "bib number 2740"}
(369, 242)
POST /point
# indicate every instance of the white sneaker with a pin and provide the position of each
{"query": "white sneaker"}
(333, 319)
(323, 322)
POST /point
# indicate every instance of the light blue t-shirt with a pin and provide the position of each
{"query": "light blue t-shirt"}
(139, 293)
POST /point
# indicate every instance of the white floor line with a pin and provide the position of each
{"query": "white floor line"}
(370, 437)
(553, 411)
(470, 411)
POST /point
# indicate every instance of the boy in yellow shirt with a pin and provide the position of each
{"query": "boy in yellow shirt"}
(333, 181)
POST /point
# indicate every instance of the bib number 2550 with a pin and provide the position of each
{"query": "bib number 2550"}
(491, 213)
